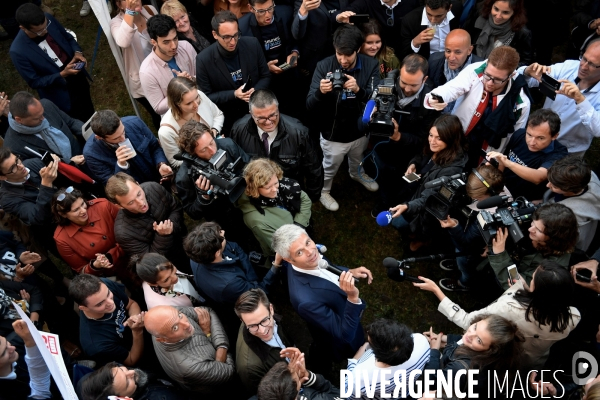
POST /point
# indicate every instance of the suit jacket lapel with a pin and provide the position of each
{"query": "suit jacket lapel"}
(316, 282)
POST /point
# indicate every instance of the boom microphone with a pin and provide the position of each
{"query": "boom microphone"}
(494, 201)
(369, 108)
(441, 180)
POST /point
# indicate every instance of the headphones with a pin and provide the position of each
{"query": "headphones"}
(486, 184)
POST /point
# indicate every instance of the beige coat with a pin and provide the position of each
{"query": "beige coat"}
(538, 340)
(134, 46)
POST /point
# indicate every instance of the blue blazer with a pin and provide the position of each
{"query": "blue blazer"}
(325, 307)
(39, 70)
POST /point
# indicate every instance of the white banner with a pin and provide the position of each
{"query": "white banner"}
(49, 346)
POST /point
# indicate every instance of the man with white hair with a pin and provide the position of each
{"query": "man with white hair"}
(327, 302)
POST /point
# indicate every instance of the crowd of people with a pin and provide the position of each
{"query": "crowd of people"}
(254, 107)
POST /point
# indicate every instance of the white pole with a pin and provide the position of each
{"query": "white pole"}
(101, 11)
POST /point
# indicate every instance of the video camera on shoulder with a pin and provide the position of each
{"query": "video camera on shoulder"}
(337, 79)
(510, 215)
(384, 98)
(223, 178)
(452, 194)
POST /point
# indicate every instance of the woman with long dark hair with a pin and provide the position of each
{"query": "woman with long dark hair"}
(375, 47)
(491, 342)
(541, 310)
(444, 155)
(502, 23)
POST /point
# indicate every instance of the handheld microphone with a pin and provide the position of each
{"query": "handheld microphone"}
(384, 218)
(321, 248)
(494, 201)
(390, 262)
(336, 271)
(369, 108)
(398, 275)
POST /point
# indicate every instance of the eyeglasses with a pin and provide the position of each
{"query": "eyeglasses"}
(43, 31)
(390, 13)
(262, 120)
(229, 38)
(495, 81)
(586, 61)
(264, 11)
(62, 196)
(264, 323)
(14, 167)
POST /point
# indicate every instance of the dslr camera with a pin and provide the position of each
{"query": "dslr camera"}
(510, 215)
(337, 78)
(222, 177)
(452, 193)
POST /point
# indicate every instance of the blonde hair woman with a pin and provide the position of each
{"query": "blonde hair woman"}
(187, 27)
(270, 201)
(186, 103)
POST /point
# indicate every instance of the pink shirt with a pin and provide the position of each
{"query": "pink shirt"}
(155, 75)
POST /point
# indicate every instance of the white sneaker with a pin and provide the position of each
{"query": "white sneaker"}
(365, 180)
(85, 9)
(329, 202)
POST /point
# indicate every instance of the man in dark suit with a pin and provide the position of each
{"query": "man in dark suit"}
(47, 57)
(328, 303)
(424, 29)
(389, 13)
(272, 27)
(43, 127)
(224, 68)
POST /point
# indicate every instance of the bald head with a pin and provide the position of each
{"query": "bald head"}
(458, 48)
(167, 324)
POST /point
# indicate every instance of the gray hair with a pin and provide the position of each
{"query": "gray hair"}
(262, 98)
(284, 237)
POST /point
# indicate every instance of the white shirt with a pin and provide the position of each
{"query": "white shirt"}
(270, 138)
(439, 38)
(392, 6)
(320, 272)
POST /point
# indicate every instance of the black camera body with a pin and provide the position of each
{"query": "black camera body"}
(509, 215)
(337, 79)
(224, 180)
(385, 100)
(452, 193)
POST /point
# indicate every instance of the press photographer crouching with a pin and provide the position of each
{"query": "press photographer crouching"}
(443, 155)
(210, 179)
(485, 181)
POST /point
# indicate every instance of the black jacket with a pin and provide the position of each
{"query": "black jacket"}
(411, 27)
(292, 149)
(337, 119)
(391, 35)
(58, 119)
(414, 128)
(215, 81)
(283, 20)
(436, 75)
(314, 34)
(197, 207)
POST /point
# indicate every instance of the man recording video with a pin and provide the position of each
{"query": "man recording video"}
(197, 193)
(411, 124)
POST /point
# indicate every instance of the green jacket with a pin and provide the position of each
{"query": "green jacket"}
(263, 226)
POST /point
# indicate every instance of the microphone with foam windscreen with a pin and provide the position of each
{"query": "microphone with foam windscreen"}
(390, 262)
(494, 201)
(384, 218)
(369, 108)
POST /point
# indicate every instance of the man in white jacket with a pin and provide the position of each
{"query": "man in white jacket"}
(490, 101)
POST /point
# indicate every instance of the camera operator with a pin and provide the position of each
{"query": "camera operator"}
(485, 181)
(340, 85)
(572, 183)
(444, 155)
(196, 195)
(553, 235)
(529, 154)
(409, 135)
